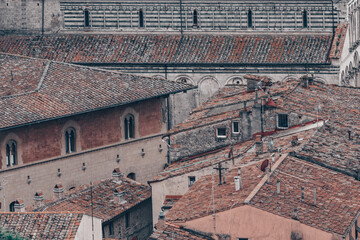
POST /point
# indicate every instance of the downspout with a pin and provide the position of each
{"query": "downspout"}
(42, 16)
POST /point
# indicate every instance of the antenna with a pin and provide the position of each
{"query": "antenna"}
(92, 209)
(219, 168)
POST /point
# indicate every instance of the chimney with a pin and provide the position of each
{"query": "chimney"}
(161, 220)
(58, 191)
(314, 195)
(258, 144)
(349, 132)
(116, 174)
(119, 196)
(38, 199)
(19, 205)
(251, 84)
(278, 187)
(294, 141)
(237, 183)
(295, 214)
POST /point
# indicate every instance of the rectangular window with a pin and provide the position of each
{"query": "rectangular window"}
(221, 132)
(283, 121)
(235, 128)
(192, 180)
(127, 220)
(111, 228)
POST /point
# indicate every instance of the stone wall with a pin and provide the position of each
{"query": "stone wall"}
(51, 16)
(140, 223)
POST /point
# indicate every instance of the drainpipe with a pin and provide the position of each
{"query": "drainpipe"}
(42, 16)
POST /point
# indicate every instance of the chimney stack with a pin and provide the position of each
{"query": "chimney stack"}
(58, 191)
(119, 196)
(295, 214)
(294, 141)
(116, 174)
(161, 220)
(19, 205)
(258, 144)
(38, 199)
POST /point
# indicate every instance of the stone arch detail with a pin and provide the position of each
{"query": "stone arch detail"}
(208, 86)
(18, 140)
(76, 126)
(235, 80)
(184, 79)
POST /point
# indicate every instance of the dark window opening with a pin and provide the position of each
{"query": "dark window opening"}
(192, 180)
(127, 220)
(131, 176)
(86, 18)
(305, 19)
(111, 228)
(235, 127)
(221, 132)
(70, 140)
(141, 18)
(195, 18)
(283, 121)
(11, 153)
(129, 125)
(12, 207)
(250, 23)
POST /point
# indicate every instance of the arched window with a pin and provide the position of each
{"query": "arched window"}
(131, 176)
(141, 18)
(11, 153)
(12, 206)
(70, 140)
(129, 125)
(195, 18)
(86, 18)
(250, 24)
(305, 19)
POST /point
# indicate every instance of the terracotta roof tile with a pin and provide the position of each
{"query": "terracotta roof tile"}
(39, 225)
(170, 231)
(105, 204)
(253, 49)
(52, 90)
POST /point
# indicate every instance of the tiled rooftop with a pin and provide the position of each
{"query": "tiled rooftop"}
(35, 225)
(170, 231)
(105, 204)
(195, 203)
(38, 90)
(337, 196)
(339, 41)
(246, 49)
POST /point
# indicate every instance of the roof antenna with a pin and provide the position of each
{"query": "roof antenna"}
(92, 209)
(219, 168)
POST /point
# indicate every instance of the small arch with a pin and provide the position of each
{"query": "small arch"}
(305, 19)
(235, 81)
(129, 126)
(12, 206)
(195, 18)
(141, 18)
(70, 140)
(250, 19)
(86, 18)
(131, 176)
(184, 79)
(159, 77)
(208, 86)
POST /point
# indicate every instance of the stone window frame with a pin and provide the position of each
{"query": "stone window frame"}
(305, 20)
(11, 157)
(71, 124)
(279, 121)
(70, 140)
(135, 114)
(218, 136)
(232, 127)
(195, 18)
(11, 137)
(250, 19)
(129, 127)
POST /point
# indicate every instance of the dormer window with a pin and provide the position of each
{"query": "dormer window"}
(221, 133)
(11, 153)
(70, 140)
(282, 121)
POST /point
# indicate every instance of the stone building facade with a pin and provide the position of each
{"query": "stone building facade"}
(71, 125)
